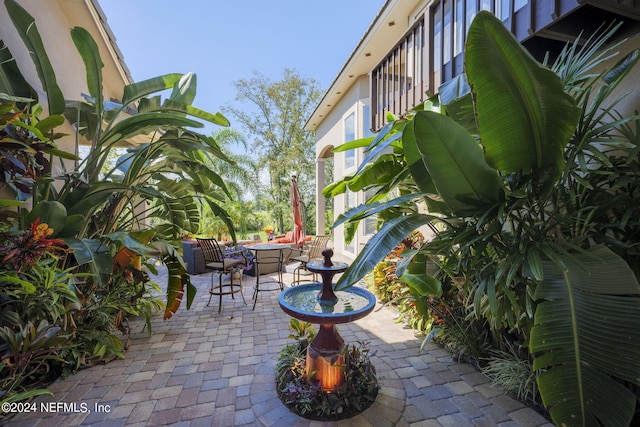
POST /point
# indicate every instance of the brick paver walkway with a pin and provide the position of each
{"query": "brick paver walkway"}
(204, 369)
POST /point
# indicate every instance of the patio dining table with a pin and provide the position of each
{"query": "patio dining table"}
(262, 260)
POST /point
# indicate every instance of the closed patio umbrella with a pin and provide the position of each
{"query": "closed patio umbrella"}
(299, 233)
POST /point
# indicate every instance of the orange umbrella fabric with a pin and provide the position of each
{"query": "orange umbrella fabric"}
(296, 206)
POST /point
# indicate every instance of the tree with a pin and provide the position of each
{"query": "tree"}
(281, 144)
(241, 177)
(241, 174)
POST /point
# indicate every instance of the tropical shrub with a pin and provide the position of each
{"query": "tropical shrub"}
(37, 308)
(389, 289)
(76, 247)
(513, 373)
(29, 355)
(530, 176)
(87, 207)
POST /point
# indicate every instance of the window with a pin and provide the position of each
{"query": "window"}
(366, 121)
(371, 222)
(446, 32)
(458, 25)
(396, 81)
(502, 9)
(471, 13)
(350, 135)
(437, 39)
(349, 202)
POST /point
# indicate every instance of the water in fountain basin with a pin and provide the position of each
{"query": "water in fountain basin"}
(307, 301)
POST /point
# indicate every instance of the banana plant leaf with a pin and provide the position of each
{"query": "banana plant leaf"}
(379, 246)
(367, 209)
(222, 214)
(11, 79)
(83, 117)
(177, 206)
(178, 107)
(135, 91)
(48, 124)
(86, 200)
(455, 163)
(335, 188)
(88, 49)
(52, 213)
(42, 127)
(93, 253)
(203, 178)
(178, 280)
(419, 172)
(213, 147)
(455, 95)
(145, 123)
(374, 152)
(588, 329)
(524, 116)
(26, 27)
(137, 241)
(184, 91)
(375, 174)
(415, 276)
(356, 143)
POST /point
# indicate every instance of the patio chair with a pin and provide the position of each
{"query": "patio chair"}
(314, 251)
(223, 263)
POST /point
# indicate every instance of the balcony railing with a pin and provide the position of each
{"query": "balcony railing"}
(397, 83)
(431, 52)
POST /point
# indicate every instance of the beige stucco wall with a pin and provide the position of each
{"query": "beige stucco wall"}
(631, 85)
(331, 134)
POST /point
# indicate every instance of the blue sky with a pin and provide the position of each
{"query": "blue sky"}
(224, 41)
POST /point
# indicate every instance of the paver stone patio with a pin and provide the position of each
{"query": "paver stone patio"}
(201, 368)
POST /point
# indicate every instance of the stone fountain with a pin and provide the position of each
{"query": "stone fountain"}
(319, 303)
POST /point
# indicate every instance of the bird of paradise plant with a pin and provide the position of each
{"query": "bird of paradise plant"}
(90, 205)
(532, 178)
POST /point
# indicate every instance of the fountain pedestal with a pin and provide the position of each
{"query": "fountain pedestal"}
(319, 303)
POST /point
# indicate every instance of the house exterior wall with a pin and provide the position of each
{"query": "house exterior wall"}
(332, 134)
(630, 87)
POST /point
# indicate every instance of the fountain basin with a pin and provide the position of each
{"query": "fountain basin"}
(319, 303)
(309, 303)
(303, 303)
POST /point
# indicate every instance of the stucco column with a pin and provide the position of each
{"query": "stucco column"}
(320, 207)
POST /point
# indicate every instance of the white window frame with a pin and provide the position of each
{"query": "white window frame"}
(350, 135)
